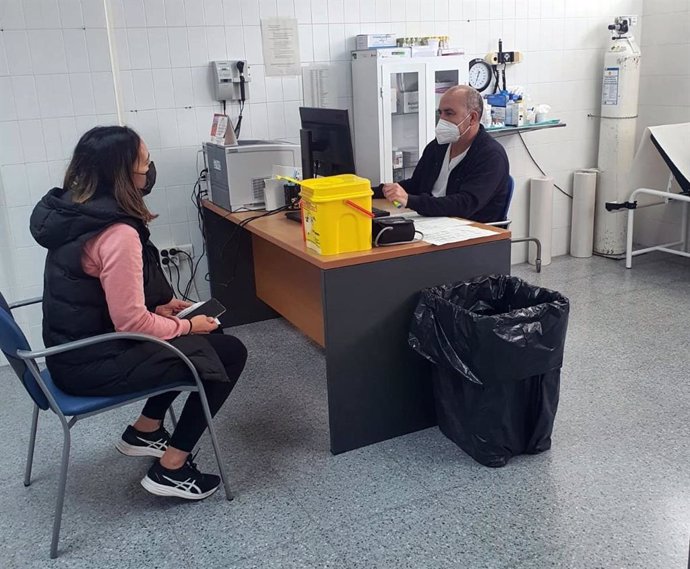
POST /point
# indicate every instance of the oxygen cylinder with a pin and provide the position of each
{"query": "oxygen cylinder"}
(620, 86)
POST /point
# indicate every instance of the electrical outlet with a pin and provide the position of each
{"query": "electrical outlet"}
(188, 249)
(179, 256)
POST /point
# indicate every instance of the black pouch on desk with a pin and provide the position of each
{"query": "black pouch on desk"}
(391, 230)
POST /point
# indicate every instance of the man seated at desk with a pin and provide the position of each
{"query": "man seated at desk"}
(463, 172)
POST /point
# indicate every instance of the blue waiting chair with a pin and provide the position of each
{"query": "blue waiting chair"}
(46, 395)
(506, 224)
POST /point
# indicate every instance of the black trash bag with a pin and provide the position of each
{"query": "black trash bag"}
(497, 345)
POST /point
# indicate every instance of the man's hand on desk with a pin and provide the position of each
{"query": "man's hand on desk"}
(395, 193)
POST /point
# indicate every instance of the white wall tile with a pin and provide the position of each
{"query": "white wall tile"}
(258, 90)
(274, 89)
(17, 52)
(10, 151)
(155, 13)
(182, 84)
(139, 51)
(306, 44)
(144, 94)
(167, 126)
(8, 111)
(70, 14)
(252, 45)
(194, 12)
(213, 12)
(82, 93)
(268, 9)
(234, 41)
(158, 46)
(103, 92)
(25, 97)
(41, 14)
(75, 51)
(135, 16)
(215, 39)
(68, 135)
(52, 139)
(175, 13)
(19, 226)
(4, 66)
(198, 47)
(232, 13)
(201, 86)
(32, 142)
(38, 179)
(259, 118)
(94, 14)
(179, 48)
(383, 10)
(99, 54)
(285, 8)
(12, 15)
(163, 88)
(54, 95)
(303, 11)
(16, 184)
(322, 52)
(47, 51)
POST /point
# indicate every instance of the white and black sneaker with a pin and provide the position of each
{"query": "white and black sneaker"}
(136, 443)
(185, 482)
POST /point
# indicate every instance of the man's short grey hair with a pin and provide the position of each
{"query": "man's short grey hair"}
(473, 99)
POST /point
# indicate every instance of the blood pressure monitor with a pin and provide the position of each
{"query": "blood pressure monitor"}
(480, 74)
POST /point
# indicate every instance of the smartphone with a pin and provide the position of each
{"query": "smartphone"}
(211, 308)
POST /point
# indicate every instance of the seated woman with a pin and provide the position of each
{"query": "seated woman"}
(102, 274)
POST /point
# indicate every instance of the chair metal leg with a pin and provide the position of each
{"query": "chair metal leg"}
(537, 260)
(32, 445)
(173, 419)
(214, 441)
(61, 491)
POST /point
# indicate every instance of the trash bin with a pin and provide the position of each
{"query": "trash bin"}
(497, 345)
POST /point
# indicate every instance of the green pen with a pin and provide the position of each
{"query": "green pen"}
(397, 204)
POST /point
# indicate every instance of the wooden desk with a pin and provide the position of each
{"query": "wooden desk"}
(356, 306)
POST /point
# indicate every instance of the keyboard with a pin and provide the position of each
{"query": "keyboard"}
(296, 216)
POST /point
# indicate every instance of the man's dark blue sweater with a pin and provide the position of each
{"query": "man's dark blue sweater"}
(477, 187)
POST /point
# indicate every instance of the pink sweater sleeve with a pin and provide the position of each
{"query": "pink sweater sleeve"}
(114, 256)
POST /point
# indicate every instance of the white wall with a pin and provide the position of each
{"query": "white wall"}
(664, 98)
(56, 81)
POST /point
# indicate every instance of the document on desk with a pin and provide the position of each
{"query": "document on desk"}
(442, 230)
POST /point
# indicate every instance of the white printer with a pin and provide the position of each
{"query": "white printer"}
(237, 173)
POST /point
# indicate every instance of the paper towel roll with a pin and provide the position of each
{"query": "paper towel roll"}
(582, 224)
(541, 217)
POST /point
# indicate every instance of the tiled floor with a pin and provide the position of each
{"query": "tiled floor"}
(614, 492)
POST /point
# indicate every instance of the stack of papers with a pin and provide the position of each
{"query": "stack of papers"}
(442, 230)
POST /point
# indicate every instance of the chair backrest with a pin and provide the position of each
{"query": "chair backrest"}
(12, 339)
(511, 188)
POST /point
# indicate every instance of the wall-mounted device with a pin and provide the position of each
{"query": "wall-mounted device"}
(230, 80)
(498, 60)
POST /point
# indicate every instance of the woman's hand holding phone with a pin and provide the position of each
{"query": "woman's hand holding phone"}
(203, 324)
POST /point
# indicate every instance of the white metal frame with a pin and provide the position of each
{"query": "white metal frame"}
(665, 247)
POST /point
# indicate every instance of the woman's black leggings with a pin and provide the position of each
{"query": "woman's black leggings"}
(192, 422)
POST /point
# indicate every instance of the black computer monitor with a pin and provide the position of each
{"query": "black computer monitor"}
(326, 142)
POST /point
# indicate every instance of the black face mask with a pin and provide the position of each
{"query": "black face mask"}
(150, 179)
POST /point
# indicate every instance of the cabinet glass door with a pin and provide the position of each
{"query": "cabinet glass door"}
(442, 74)
(404, 133)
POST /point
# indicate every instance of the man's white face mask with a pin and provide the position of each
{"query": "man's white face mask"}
(448, 132)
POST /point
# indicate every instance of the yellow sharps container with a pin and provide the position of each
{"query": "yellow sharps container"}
(336, 213)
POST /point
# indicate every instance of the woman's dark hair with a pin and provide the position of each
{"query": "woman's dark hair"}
(103, 161)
